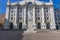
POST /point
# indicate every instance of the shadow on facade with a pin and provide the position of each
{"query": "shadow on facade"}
(11, 25)
(57, 27)
(11, 34)
(1, 26)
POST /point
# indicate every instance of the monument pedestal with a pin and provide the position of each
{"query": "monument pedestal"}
(30, 28)
(29, 31)
(24, 26)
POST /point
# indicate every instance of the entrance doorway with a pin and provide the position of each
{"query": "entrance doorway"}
(38, 25)
(57, 27)
(11, 25)
(48, 25)
(20, 26)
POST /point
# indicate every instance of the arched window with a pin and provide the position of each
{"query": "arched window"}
(20, 26)
(38, 25)
(11, 25)
(29, 3)
(48, 25)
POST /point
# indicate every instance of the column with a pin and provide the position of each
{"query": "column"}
(15, 21)
(34, 24)
(43, 25)
(24, 23)
(52, 23)
(6, 25)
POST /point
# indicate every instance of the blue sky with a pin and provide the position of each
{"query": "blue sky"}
(3, 4)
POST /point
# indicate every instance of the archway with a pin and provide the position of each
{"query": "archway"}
(20, 26)
(38, 25)
(11, 25)
(48, 25)
(57, 27)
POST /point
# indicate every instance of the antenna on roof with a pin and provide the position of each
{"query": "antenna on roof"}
(8, 1)
(50, 0)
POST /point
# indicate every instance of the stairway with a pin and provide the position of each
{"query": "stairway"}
(43, 31)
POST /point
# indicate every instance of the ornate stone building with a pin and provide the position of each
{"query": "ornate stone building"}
(57, 18)
(29, 14)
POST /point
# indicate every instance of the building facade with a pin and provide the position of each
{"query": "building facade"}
(29, 14)
(57, 18)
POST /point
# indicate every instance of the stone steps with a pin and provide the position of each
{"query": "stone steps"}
(43, 31)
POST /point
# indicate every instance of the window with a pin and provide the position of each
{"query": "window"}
(38, 14)
(20, 10)
(20, 18)
(59, 23)
(47, 18)
(20, 14)
(11, 14)
(46, 9)
(59, 18)
(38, 9)
(11, 18)
(48, 25)
(38, 18)
(47, 15)
(12, 9)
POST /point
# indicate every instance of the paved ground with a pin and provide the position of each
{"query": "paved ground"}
(43, 35)
(11, 35)
(40, 35)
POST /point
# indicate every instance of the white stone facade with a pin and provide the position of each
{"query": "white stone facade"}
(29, 14)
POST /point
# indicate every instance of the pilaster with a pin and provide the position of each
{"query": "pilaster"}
(52, 23)
(34, 24)
(43, 25)
(15, 21)
(24, 23)
(6, 25)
